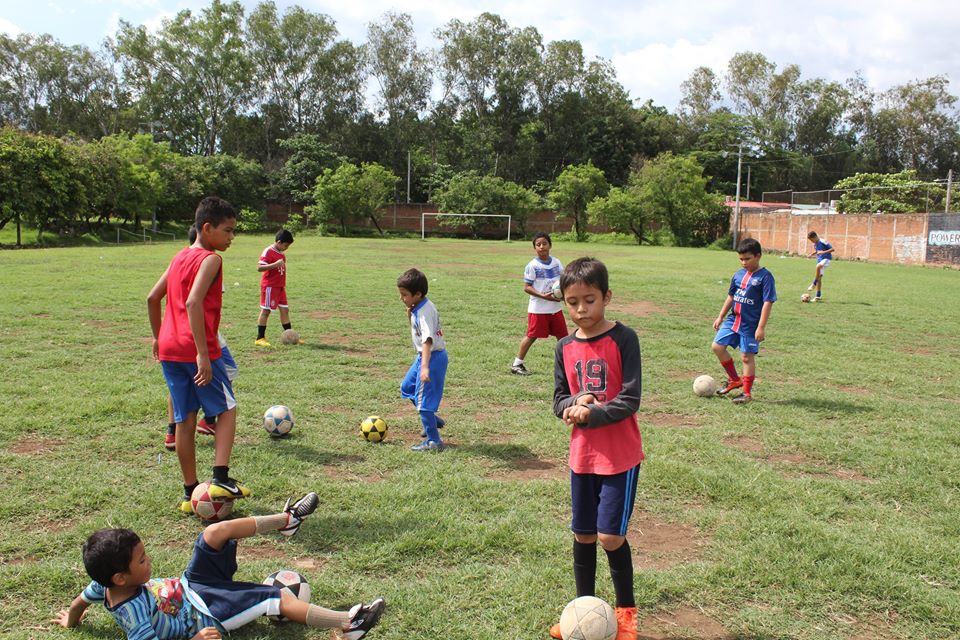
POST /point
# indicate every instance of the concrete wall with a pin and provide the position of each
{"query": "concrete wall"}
(897, 237)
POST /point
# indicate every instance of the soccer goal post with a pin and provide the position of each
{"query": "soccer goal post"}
(423, 218)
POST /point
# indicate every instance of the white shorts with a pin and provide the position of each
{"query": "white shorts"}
(823, 263)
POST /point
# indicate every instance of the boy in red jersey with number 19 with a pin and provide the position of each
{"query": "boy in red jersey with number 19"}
(749, 301)
(185, 342)
(597, 393)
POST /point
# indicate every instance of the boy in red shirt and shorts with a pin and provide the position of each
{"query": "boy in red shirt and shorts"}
(185, 342)
(273, 285)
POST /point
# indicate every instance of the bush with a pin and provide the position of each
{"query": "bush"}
(723, 243)
(251, 221)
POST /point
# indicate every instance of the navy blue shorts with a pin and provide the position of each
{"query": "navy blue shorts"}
(426, 397)
(603, 504)
(742, 339)
(210, 576)
(215, 397)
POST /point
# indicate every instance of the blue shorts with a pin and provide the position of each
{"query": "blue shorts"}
(233, 371)
(214, 398)
(742, 339)
(210, 576)
(426, 397)
(603, 504)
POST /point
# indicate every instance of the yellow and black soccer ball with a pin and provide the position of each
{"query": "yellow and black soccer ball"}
(373, 429)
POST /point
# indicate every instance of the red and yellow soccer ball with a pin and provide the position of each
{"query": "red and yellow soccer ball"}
(210, 509)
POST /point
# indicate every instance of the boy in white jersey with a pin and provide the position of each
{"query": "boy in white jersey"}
(544, 312)
(423, 384)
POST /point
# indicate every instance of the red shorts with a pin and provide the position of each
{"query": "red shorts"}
(543, 325)
(273, 297)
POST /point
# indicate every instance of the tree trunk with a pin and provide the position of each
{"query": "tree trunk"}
(373, 219)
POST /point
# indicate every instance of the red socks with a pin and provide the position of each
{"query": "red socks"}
(731, 369)
(748, 384)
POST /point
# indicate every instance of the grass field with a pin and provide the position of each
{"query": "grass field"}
(826, 509)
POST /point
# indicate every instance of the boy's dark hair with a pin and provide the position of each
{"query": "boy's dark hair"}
(213, 210)
(812, 235)
(542, 234)
(192, 234)
(588, 271)
(413, 281)
(284, 236)
(750, 245)
(109, 551)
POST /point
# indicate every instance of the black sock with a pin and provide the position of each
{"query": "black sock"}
(188, 489)
(585, 568)
(261, 331)
(171, 428)
(210, 420)
(621, 570)
(289, 325)
(220, 473)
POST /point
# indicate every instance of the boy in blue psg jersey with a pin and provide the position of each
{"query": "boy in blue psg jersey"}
(749, 301)
(423, 384)
(205, 601)
(597, 394)
(823, 251)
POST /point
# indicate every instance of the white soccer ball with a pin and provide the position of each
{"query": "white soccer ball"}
(557, 293)
(291, 582)
(705, 386)
(588, 618)
(805, 297)
(278, 420)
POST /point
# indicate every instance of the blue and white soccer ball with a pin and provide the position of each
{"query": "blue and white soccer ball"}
(278, 420)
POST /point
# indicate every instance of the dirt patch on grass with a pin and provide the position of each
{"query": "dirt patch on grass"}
(916, 351)
(684, 623)
(744, 443)
(657, 544)
(755, 448)
(855, 390)
(638, 308)
(32, 446)
(877, 627)
(670, 420)
(684, 375)
(330, 315)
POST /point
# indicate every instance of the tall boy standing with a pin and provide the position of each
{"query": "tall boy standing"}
(185, 343)
(544, 312)
(749, 301)
(273, 285)
(823, 251)
(423, 383)
(597, 393)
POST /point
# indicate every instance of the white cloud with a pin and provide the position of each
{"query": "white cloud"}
(9, 28)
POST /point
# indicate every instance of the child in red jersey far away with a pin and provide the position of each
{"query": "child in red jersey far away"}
(749, 300)
(205, 601)
(597, 393)
(185, 343)
(544, 312)
(273, 285)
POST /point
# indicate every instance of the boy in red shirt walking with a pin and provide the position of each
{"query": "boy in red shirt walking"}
(597, 394)
(273, 285)
(185, 342)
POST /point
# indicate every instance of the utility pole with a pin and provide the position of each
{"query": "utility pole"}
(949, 185)
(748, 183)
(408, 176)
(736, 210)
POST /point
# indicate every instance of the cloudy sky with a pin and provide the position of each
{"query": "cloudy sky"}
(654, 44)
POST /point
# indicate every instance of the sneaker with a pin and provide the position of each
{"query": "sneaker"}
(519, 369)
(229, 489)
(730, 386)
(428, 445)
(207, 428)
(185, 505)
(363, 617)
(818, 299)
(440, 424)
(812, 287)
(742, 399)
(555, 631)
(626, 623)
(298, 511)
(262, 342)
(170, 441)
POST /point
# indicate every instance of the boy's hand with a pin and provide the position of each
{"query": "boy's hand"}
(63, 619)
(204, 370)
(760, 334)
(207, 633)
(577, 414)
(424, 376)
(156, 349)
(585, 399)
(717, 323)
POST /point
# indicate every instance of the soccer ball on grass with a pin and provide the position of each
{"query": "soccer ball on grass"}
(588, 618)
(373, 429)
(289, 336)
(278, 420)
(805, 297)
(209, 509)
(705, 386)
(291, 582)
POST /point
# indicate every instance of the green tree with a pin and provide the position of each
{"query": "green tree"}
(307, 159)
(576, 188)
(622, 210)
(469, 194)
(672, 190)
(352, 191)
(899, 192)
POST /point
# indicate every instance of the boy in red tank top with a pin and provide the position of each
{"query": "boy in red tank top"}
(185, 342)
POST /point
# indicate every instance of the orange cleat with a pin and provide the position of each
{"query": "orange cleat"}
(626, 623)
(730, 386)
